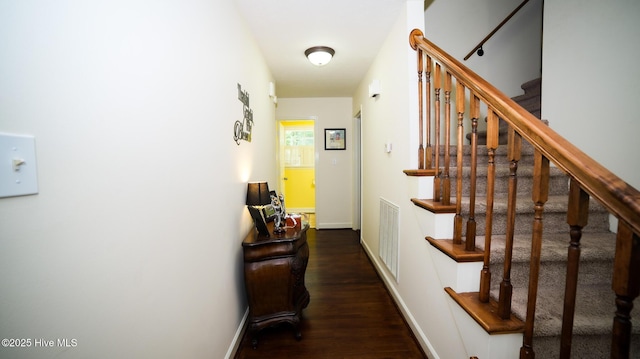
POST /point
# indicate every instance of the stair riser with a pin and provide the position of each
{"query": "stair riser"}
(532, 86)
(558, 183)
(583, 346)
(552, 223)
(591, 273)
(483, 160)
(530, 103)
(500, 158)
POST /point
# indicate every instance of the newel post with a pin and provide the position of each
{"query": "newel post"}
(414, 45)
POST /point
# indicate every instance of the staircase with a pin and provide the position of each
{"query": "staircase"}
(596, 306)
(595, 309)
(538, 192)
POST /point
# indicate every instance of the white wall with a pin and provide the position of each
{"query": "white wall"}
(511, 57)
(392, 117)
(334, 169)
(133, 244)
(590, 85)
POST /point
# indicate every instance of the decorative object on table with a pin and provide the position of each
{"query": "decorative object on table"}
(293, 220)
(242, 130)
(278, 206)
(284, 209)
(335, 139)
(258, 197)
(269, 213)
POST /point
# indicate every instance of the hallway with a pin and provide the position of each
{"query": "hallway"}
(351, 314)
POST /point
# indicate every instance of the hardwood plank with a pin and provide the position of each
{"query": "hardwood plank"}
(350, 315)
(421, 172)
(457, 252)
(433, 206)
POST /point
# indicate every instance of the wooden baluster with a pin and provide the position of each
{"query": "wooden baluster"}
(420, 113)
(446, 181)
(626, 285)
(457, 222)
(540, 195)
(437, 189)
(470, 241)
(514, 151)
(492, 145)
(428, 150)
(577, 215)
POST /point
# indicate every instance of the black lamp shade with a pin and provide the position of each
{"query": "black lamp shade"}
(258, 194)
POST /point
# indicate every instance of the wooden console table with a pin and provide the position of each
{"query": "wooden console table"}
(274, 269)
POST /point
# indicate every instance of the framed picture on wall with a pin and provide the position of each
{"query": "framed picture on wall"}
(335, 139)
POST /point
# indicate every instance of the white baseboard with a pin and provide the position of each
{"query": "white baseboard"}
(301, 210)
(415, 328)
(333, 225)
(237, 338)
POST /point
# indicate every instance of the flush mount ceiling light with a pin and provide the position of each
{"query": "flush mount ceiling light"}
(319, 55)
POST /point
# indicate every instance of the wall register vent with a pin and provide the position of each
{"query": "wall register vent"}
(388, 246)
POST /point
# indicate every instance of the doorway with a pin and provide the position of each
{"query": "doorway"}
(296, 149)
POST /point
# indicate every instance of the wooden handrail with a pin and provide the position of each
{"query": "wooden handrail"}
(495, 30)
(587, 178)
(615, 194)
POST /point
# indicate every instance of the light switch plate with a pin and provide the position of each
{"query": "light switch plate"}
(18, 170)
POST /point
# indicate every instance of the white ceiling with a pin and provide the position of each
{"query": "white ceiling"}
(284, 29)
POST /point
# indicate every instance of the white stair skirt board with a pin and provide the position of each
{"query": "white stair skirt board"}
(479, 343)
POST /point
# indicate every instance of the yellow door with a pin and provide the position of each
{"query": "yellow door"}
(300, 189)
(297, 170)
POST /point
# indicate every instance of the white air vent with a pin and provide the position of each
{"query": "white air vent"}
(388, 246)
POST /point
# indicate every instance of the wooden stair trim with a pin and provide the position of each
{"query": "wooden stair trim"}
(421, 173)
(433, 206)
(485, 314)
(456, 251)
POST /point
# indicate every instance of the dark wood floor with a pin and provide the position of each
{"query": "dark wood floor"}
(350, 315)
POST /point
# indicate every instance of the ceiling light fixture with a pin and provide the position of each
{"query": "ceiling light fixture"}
(319, 55)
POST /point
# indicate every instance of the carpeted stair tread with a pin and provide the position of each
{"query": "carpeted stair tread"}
(554, 215)
(559, 182)
(526, 155)
(583, 346)
(593, 247)
(596, 258)
(595, 306)
(595, 309)
(503, 171)
(524, 204)
(532, 86)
